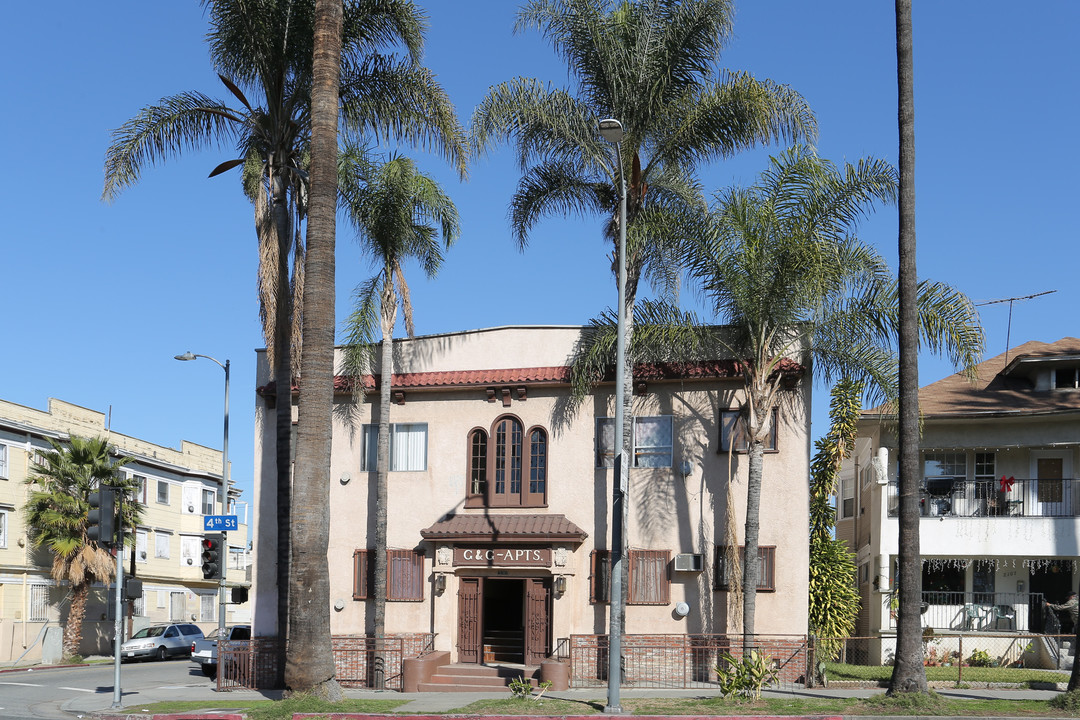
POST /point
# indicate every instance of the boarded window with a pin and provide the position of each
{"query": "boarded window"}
(648, 577)
(404, 575)
(766, 567)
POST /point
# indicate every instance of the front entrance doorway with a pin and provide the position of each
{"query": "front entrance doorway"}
(504, 619)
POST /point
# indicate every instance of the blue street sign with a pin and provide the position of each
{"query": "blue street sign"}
(220, 523)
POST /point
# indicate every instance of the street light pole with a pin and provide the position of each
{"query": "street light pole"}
(612, 131)
(224, 488)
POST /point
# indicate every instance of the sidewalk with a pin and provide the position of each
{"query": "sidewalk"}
(441, 703)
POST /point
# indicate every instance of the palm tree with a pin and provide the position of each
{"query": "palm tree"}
(786, 276)
(56, 514)
(908, 674)
(309, 666)
(651, 64)
(262, 50)
(399, 215)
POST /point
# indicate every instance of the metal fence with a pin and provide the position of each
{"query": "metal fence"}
(1014, 497)
(984, 612)
(680, 661)
(962, 657)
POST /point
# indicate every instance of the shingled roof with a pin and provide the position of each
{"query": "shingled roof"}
(1002, 387)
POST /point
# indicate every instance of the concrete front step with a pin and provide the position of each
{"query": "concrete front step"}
(477, 678)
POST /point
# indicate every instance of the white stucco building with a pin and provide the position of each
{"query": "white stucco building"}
(1000, 528)
(500, 493)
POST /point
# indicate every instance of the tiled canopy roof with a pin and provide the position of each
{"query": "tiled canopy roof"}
(997, 392)
(505, 528)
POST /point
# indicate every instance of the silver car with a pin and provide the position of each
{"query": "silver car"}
(161, 641)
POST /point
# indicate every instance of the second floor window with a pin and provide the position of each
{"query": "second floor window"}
(408, 447)
(163, 492)
(509, 467)
(207, 502)
(3, 462)
(652, 440)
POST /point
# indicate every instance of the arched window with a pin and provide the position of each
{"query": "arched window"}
(504, 471)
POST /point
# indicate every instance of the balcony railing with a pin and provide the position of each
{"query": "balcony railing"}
(994, 498)
(985, 612)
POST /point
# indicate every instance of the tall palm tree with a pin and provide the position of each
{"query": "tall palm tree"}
(653, 65)
(309, 666)
(262, 50)
(399, 215)
(56, 514)
(908, 674)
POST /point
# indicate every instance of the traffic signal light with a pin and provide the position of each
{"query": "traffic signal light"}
(239, 595)
(212, 565)
(101, 520)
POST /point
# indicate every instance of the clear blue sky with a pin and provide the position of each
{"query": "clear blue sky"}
(98, 298)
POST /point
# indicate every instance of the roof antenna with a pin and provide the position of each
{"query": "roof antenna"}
(1008, 330)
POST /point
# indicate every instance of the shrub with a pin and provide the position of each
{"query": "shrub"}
(746, 677)
(981, 658)
(1069, 702)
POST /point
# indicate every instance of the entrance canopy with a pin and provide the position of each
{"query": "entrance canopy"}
(505, 529)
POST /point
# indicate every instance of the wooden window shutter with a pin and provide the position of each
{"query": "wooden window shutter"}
(362, 575)
(649, 584)
(600, 577)
(404, 575)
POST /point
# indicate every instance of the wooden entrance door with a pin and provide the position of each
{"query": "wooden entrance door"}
(1050, 486)
(537, 620)
(469, 630)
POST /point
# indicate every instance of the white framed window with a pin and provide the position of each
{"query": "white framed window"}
(140, 492)
(189, 551)
(140, 606)
(141, 538)
(4, 472)
(208, 497)
(4, 526)
(162, 492)
(162, 541)
(652, 439)
(847, 495)
(408, 447)
(208, 608)
(177, 606)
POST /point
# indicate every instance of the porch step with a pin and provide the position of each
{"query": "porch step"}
(504, 646)
(478, 678)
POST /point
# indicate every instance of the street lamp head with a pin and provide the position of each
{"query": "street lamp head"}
(186, 356)
(611, 130)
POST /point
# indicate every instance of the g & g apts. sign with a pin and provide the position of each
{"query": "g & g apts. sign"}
(502, 556)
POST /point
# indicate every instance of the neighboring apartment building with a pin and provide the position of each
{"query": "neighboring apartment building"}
(1000, 528)
(178, 488)
(500, 493)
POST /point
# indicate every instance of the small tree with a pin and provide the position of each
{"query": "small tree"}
(56, 513)
(834, 599)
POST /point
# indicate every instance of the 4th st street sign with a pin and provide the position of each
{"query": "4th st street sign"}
(220, 523)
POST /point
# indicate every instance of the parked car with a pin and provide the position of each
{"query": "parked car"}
(204, 651)
(161, 641)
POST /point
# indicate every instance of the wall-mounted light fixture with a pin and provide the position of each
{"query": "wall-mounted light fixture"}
(686, 467)
(345, 478)
(560, 584)
(339, 605)
(440, 584)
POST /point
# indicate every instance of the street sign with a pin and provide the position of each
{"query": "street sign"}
(220, 523)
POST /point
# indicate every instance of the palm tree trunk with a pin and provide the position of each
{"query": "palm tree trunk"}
(283, 410)
(74, 626)
(382, 474)
(909, 674)
(751, 569)
(310, 664)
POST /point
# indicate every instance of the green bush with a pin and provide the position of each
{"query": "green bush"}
(981, 658)
(746, 677)
(1069, 702)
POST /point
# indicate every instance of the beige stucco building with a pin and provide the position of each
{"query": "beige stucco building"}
(1000, 527)
(178, 489)
(500, 492)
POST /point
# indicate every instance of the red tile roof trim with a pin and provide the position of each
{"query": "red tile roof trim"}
(553, 375)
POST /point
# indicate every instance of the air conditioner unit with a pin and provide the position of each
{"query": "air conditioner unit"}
(688, 562)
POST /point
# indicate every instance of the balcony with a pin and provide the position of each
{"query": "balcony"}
(984, 612)
(994, 498)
